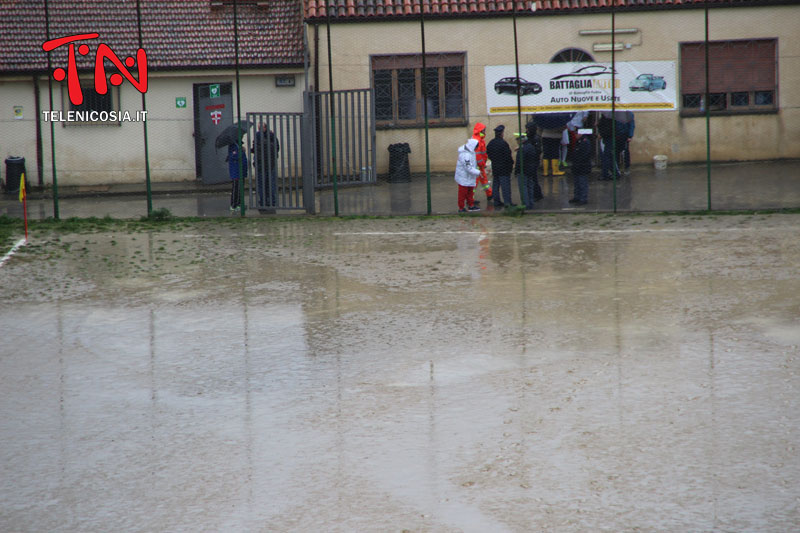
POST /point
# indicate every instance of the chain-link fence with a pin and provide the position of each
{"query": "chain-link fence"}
(686, 106)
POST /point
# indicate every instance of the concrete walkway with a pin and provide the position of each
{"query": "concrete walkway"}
(733, 186)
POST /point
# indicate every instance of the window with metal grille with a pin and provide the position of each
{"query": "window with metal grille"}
(99, 109)
(742, 77)
(397, 80)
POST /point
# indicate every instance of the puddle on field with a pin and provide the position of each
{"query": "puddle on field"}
(421, 375)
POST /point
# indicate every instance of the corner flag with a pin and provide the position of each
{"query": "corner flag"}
(22, 193)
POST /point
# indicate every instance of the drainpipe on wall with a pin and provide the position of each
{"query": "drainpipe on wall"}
(316, 56)
(305, 55)
(315, 102)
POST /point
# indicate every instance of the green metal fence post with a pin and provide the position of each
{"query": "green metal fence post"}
(614, 161)
(333, 112)
(425, 103)
(144, 122)
(52, 124)
(238, 109)
(521, 159)
(708, 120)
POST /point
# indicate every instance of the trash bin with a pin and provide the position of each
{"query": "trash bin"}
(660, 162)
(399, 171)
(15, 168)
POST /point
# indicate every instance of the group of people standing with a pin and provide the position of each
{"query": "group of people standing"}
(265, 151)
(615, 134)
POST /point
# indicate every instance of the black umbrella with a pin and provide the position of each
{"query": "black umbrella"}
(233, 132)
(551, 121)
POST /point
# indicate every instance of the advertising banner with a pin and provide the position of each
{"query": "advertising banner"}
(558, 87)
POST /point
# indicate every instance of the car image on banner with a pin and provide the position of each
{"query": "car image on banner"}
(587, 71)
(648, 82)
(508, 85)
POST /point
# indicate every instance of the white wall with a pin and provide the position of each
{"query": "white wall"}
(90, 155)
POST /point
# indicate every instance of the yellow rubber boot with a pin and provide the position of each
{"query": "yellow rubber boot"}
(545, 167)
(556, 171)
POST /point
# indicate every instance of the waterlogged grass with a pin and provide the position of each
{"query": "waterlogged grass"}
(161, 220)
(11, 230)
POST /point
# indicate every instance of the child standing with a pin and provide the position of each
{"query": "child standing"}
(467, 172)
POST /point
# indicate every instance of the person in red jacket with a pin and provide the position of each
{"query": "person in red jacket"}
(478, 133)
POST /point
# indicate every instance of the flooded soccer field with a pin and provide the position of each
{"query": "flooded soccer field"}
(563, 373)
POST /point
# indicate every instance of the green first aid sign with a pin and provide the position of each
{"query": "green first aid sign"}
(213, 91)
(180, 101)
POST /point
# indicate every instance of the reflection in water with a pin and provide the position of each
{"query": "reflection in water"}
(400, 198)
(429, 380)
(62, 413)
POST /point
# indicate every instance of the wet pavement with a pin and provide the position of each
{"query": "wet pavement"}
(733, 186)
(566, 373)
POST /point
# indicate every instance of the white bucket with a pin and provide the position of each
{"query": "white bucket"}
(660, 162)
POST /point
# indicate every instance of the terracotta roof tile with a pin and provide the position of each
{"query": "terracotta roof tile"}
(176, 34)
(366, 9)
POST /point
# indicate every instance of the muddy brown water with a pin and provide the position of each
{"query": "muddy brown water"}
(550, 373)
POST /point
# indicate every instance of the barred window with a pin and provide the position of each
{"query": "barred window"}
(742, 76)
(397, 80)
(101, 104)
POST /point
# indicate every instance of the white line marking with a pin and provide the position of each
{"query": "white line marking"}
(538, 232)
(12, 251)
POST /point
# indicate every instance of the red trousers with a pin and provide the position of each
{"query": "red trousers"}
(466, 195)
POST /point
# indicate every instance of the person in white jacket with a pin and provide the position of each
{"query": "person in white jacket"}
(466, 172)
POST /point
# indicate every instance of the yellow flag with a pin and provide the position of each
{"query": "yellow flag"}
(22, 188)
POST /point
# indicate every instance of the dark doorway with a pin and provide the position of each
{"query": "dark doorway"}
(213, 112)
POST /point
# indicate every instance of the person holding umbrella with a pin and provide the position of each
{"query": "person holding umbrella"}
(232, 138)
(237, 168)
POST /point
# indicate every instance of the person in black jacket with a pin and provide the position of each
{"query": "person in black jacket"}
(528, 158)
(265, 149)
(614, 134)
(502, 164)
(581, 167)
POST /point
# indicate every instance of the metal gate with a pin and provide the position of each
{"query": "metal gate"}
(278, 176)
(350, 129)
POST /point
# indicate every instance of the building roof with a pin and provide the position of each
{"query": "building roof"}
(176, 34)
(353, 10)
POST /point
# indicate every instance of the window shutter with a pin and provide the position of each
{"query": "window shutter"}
(733, 66)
